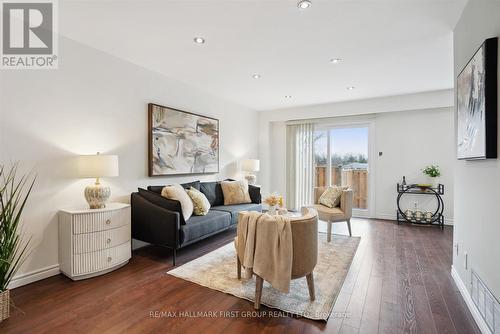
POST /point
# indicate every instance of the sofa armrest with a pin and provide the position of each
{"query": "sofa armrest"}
(255, 194)
(346, 203)
(154, 224)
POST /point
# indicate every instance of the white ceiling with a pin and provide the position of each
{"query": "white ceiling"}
(387, 47)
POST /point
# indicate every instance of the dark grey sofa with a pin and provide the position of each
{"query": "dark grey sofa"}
(159, 221)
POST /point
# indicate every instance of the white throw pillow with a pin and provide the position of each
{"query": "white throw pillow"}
(176, 192)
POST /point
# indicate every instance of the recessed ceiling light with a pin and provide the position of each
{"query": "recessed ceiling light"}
(288, 96)
(199, 40)
(256, 76)
(351, 88)
(303, 4)
(335, 60)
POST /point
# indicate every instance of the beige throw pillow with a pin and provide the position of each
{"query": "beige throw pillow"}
(235, 192)
(331, 196)
(176, 192)
(200, 202)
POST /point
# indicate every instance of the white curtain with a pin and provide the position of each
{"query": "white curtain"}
(299, 165)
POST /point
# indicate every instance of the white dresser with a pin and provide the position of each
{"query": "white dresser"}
(94, 242)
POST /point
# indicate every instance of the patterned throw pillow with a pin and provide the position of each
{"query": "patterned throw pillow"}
(235, 192)
(200, 202)
(176, 192)
(331, 196)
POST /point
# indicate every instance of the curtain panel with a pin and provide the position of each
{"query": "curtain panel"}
(299, 165)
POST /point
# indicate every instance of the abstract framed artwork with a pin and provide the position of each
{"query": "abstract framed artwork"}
(477, 97)
(181, 142)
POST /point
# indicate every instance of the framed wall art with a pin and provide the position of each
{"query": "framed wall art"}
(477, 104)
(181, 142)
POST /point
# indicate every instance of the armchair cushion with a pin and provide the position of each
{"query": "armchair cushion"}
(329, 214)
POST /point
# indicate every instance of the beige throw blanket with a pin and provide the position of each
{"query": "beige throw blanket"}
(264, 247)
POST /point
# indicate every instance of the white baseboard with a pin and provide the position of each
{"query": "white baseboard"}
(34, 276)
(468, 301)
(388, 216)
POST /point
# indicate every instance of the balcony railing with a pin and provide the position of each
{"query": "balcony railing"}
(357, 179)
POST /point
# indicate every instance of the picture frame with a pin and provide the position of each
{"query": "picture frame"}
(477, 104)
(181, 142)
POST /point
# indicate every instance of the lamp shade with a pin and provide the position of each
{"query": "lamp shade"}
(250, 165)
(98, 165)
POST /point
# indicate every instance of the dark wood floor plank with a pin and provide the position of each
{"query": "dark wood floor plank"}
(399, 281)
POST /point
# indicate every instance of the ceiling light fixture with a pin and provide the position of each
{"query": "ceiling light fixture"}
(351, 88)
(256, 76)
(335, 60)
(288, 96)
(199, 40)
(303, 4)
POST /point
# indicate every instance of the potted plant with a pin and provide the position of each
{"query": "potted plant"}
(14, 193)
(433, 173)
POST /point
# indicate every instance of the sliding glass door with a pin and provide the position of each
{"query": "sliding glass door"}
(341, 158)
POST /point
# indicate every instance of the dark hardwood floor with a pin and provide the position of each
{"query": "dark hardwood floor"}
(399, 282)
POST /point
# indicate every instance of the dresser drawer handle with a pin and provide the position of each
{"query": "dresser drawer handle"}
(109, 259)
(108, 222)
(108, 241)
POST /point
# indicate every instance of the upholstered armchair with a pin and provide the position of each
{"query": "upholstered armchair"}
(305, 252)
(334, 215)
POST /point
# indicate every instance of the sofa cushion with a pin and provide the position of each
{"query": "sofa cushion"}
(162, 202)
(158, 189)
(237, 208)
(213, 192)
(198, 227)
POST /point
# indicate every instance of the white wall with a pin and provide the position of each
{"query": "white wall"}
(477, 183)
(96, 102)
(409, 139)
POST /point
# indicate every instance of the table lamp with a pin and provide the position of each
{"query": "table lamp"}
(250, 166)
(97, 166)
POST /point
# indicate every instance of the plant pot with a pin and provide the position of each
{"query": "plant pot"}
(272, 209)
(433, 181)
(4, 305)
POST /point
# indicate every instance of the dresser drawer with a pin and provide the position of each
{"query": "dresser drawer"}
(90, 242)
(100, 220)
(101, 260)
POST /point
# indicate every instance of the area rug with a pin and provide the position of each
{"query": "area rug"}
(217, 270)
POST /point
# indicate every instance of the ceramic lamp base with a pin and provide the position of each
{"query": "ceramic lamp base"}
(251, 178)
(97, 195)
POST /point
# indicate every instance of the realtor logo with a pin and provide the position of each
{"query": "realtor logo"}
(29, 34)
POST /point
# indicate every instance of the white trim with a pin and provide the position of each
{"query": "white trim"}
(483, 327)
(34, 276)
